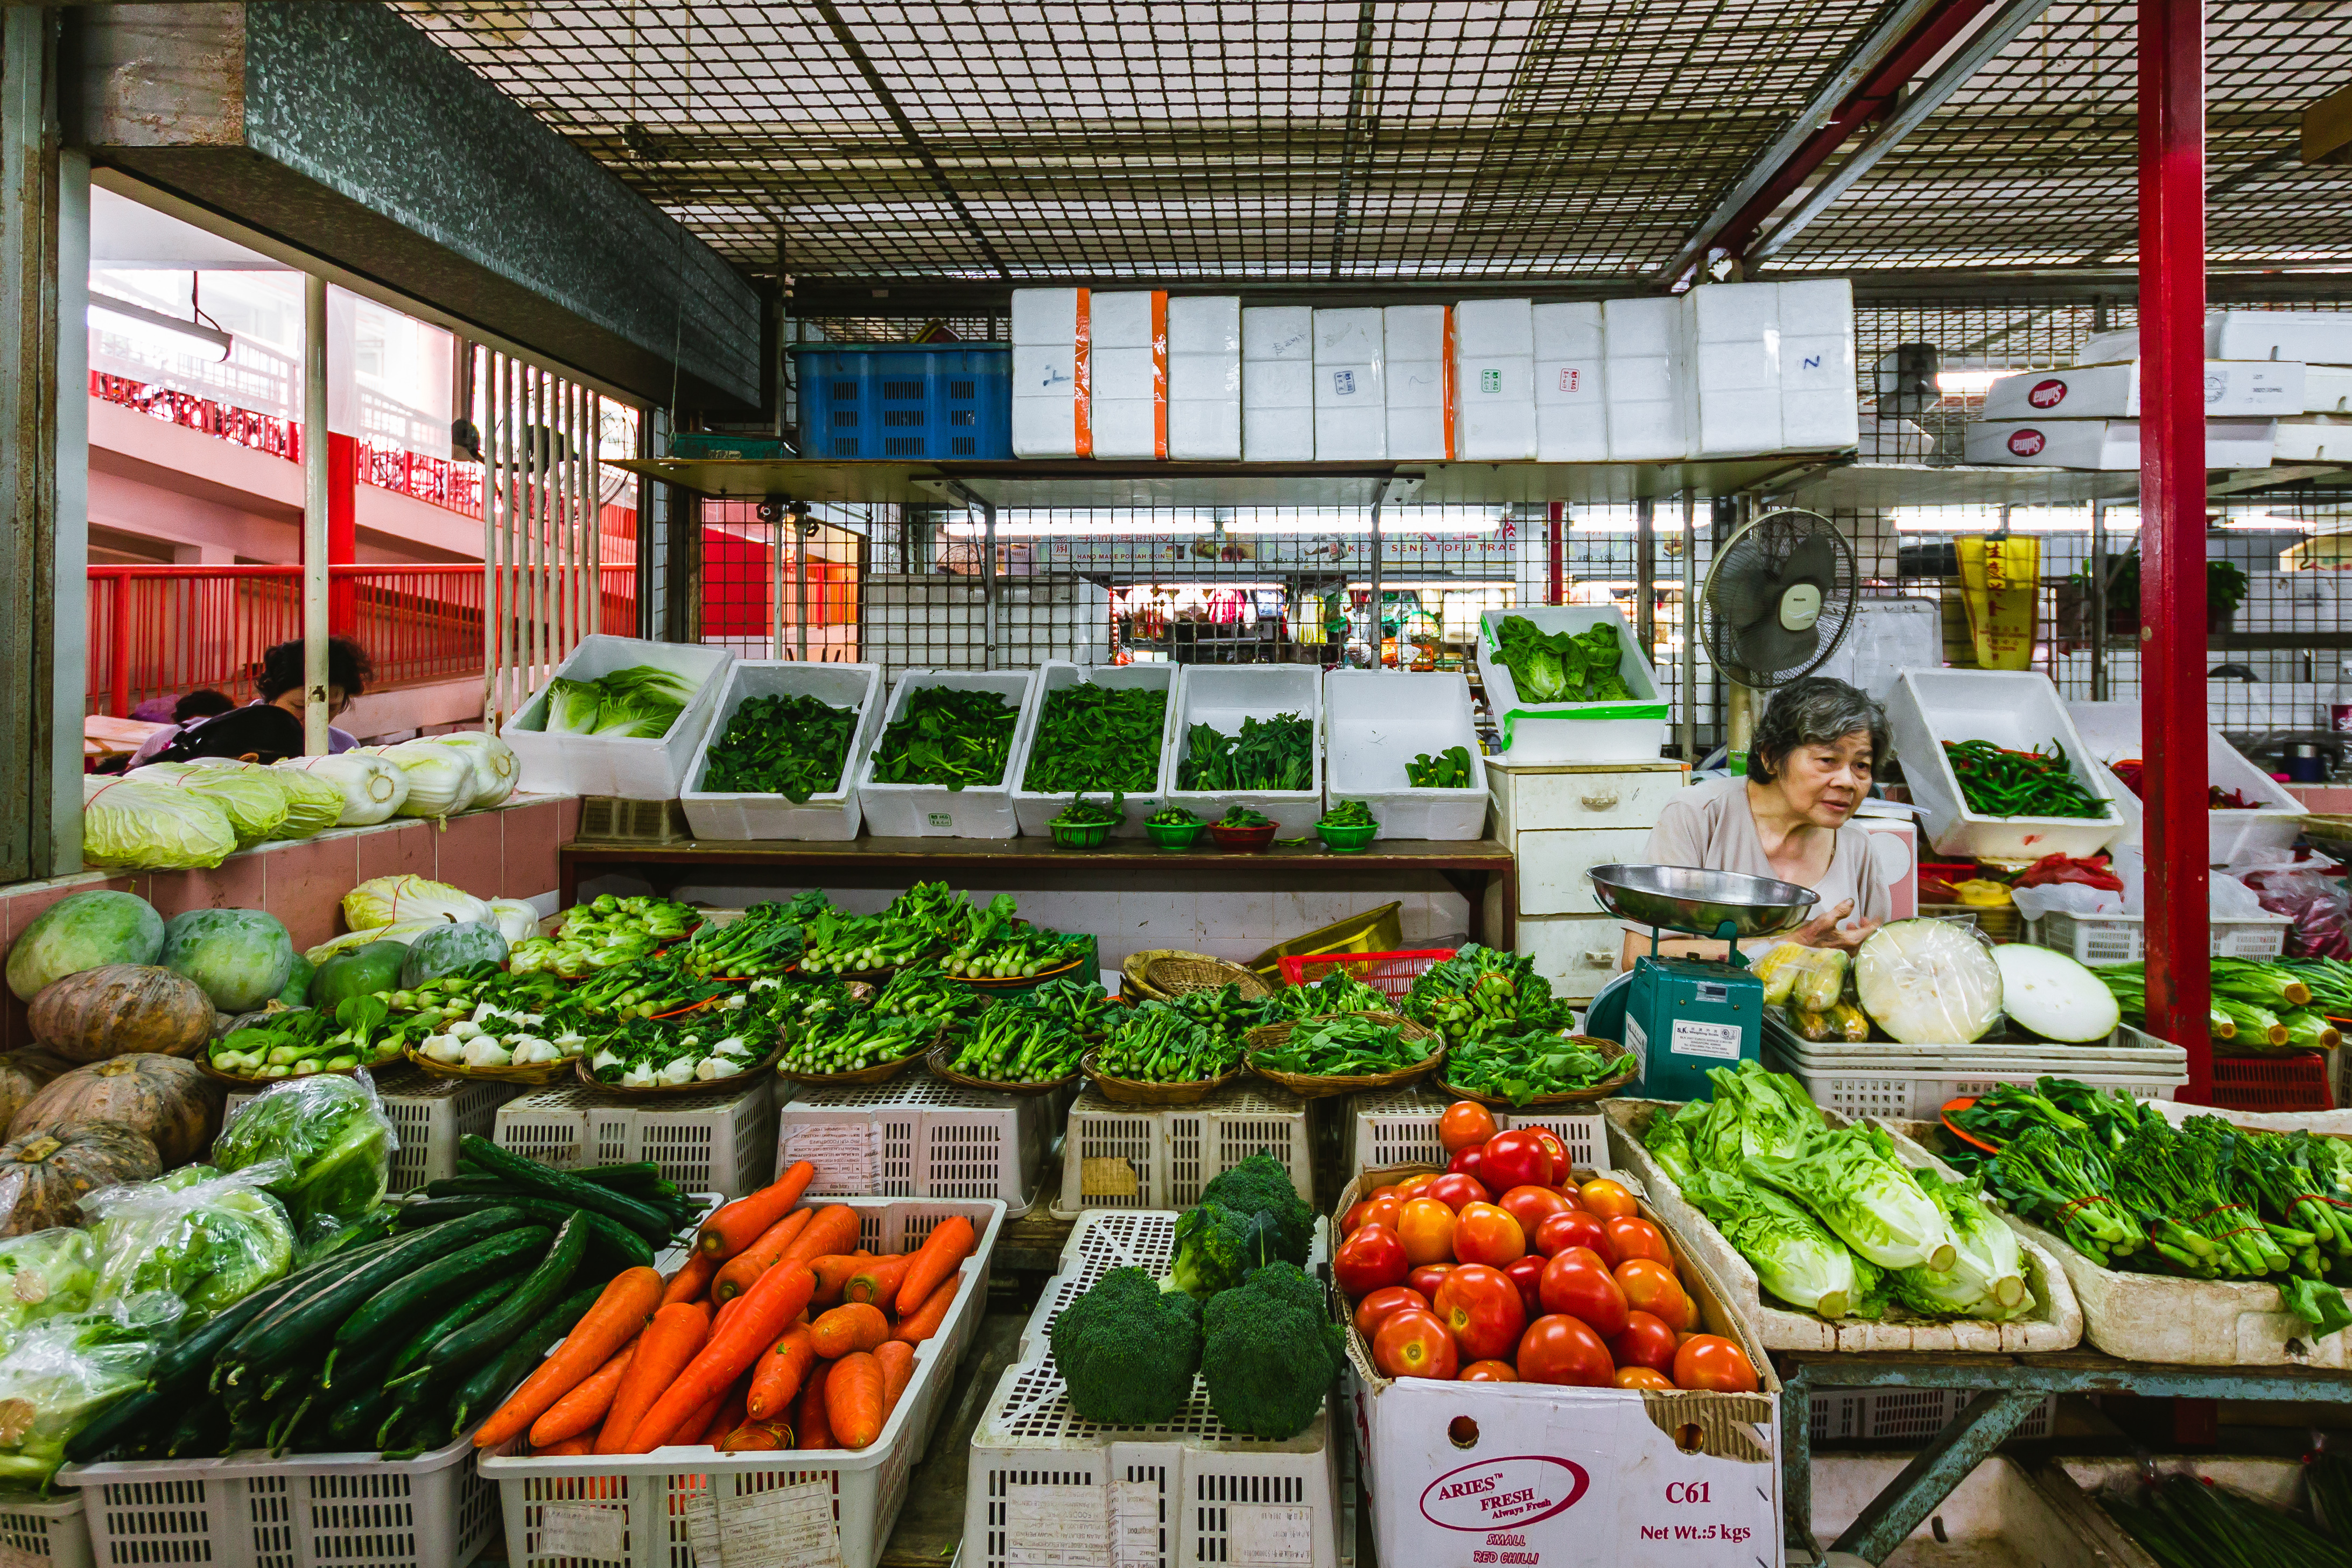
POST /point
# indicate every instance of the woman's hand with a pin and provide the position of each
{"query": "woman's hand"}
(1822, 931)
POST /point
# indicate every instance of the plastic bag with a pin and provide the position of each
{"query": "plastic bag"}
(61, 1372)
(1929, 982)
(2317, 905)
(45, 1273)
(208, 1238)
(2231, 899)
(332, 1130)
(2071, 897)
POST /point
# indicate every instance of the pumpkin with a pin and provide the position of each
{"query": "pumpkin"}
(45, 1175)
(167, 1098)
(22, 1075)
(122, 1008)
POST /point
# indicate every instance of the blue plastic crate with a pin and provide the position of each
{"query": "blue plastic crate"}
(925, 401)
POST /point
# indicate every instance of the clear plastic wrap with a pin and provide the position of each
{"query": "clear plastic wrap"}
(209, 1238)
(1929, 982)
(59, 1373)
(333, 1134)
(44, 1273)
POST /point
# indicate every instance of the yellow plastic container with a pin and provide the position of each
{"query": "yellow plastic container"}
(1378, 930)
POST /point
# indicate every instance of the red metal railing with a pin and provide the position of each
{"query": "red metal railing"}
(158, 630)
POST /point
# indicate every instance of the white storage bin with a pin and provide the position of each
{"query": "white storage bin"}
(1107, 1238)
(915, 1136)
(1376, 721)
(1160, 1156)
(644, 1498)
(1623, 731)
(1918, 1093)
(429, 1114)
(2111, 731)
(722, 1141)
(608, 765)
(829, 815)
(1392, 1127)
(934, 811)
(1571, 405)
(1035, 810)
(1221, 697)
(2017, 709)
(1903, 1415)
(44, 1529)
(2123, 938)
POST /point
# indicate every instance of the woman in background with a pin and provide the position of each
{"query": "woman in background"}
(281, 685)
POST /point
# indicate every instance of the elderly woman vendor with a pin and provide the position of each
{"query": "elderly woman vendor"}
(1809, 768)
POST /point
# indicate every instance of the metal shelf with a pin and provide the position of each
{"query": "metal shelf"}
(1871, 486)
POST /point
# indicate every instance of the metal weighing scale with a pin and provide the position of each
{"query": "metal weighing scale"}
(1681, 1017)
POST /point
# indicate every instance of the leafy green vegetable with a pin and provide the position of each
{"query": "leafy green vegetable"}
(1171, 816)
(1016, 1044)
(45, 1273)
(1481, 992)
(208, 1239)
(1082, 812)
(334, 1137)
(1561, 667)
(639, 703)
(1451, 768)
(1349, 1046)
(570, 707)
(1521, 1067)
(1338, 991)
(1754, 1115)
(946, 736)
(2185, 1521)
(1795, 1256)
(1128, 1349)
(1850, 1178)
(1276, 754)
(790, 745)
(1093, 736)
(61, 1372)
(1987, 1278)
(1157, 1043)
(1244, 816)
(1349, 814)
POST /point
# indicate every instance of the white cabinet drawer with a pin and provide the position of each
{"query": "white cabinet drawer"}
(1576, 955)
(1598, 798)
(1552, 864)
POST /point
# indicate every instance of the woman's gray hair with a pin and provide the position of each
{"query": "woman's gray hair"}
(1813, 711)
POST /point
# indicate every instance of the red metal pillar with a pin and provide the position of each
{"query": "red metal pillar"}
(342, 532)
(2172, 523)
(1559, 552)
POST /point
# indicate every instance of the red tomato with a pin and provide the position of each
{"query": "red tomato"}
(1526, 1273)
(1559, 1349)
(1382, 1209)
(1415, 1345)
(1470, 1162)
(1427, 1226)
(1650, 1287)
(1354, 1217)
(1608, 1201)
(1486, 1234)
(1371, 1258)
(1585, 1293)
(1464, 1125)
(1428, 1277)
(1683, 1315)
(1711, 1362)
(1516, 1158)
(1411, 1186)
(1640, 1377)
(1632, 1238)
(1585, 1255)
(1645, 1341)
(1454, 1190)
(1482, 1307)
(1374, 1309)
(1569, 1227)
(1531, 1205)
(1490, 1372)
(1558, 1152)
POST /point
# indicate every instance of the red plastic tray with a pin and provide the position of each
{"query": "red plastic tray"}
(1391, 974)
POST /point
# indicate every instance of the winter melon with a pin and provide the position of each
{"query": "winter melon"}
(240, 958)
(449, 948)
(83, 931)
(361, 972)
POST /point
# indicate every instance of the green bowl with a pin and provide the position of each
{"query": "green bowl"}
(1347, 841)
(1174, 835)
(1080, 835)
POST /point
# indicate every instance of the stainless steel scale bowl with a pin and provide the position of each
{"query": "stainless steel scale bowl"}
(1702, 903)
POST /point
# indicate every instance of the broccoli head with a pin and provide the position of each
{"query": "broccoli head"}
(1260, 1186)
(1128, 1349)
(1269, 1352)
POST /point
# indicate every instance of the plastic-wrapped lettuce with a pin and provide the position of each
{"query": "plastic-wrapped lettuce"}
(1929, 982)
(492, 760)
(440, 778)
(395, 900)
(373, 790)
(135, 824)
(210, 1239)
(336, 1141)
(251, 795)
(60, 1372)
(43, 1273)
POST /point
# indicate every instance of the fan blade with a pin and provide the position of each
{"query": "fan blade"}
(1812, 561)
(1745, 598)
(1774, 650)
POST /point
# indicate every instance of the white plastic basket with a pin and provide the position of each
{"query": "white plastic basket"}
(51, 1530)
(1911, 1415)
(2111, 731)
(647, 1494)
(627, 768)
(934, 811)
(1629, 730)
(1919, 1094)
(1398, 1128)
(1221, 697)
(722, 1141)
(829, 815)
(1037, 810)
(2018, 709)
(1107, 1238)
(429, 1114)
(1376, 721)
(2123, 938)
(294, 1511)
(915, 1136)
(1160, 1156)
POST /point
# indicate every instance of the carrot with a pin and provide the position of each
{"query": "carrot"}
(580, 1410)
(898, 1360)
(670, 1342)
(924, 1322)
(877, 1281)
(810, 1429)
(853, 1400)
(758, 1436)
(692, 1281)
(623, 1308)
(832, 1228)
(735, 1275)
(833, 1275)
(949, 1243)
(777, 1377)
(845, 1330)
(739, 1224)
(757, 1322)
(731, 1412)
(578, 1444)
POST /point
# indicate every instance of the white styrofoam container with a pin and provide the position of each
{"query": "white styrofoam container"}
(1037, 810)
(1494, 380)
(1221, 697)
(1393, 1127)
(1644, 373)
(2111, 731)
(1572, 404)
(2106, 445)
(2019, 709)
(1049, 372)
(2054, 1324)
(2246, 389)
(625, 768)
(1729, 346)
(1129, 1157)
(915, 1136)
(649, 1491)
(829, 815)
(1205, 377)
(428, 1115)
(722, 1141)
(48, 1530)
(1278, 382)
(1819, 409)
(934, 810)
(2001, 1514)
(1351, 399)
(1376, 721)
(2123, 938)
(1634, 730)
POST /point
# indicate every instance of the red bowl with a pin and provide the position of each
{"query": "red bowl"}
(1248, 840)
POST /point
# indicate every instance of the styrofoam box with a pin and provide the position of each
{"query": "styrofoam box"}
(1398, 1128)
(2001, 1514)
(627, 768)
(1128, 1157)
(2326, 389)
(254, 1510)
(2019, 709)
(2321, 439)
(1571, 402)
(2314, 337)
(1642, 374)
(2111, 731)
(722, 1141)
(1819, 409)
(934, 811)
(647, 1494)
(1494, 380)
(1107, 1238)
(2251, 388)
(1047, 1486)
(1418, 372)
(428, 1115)
(1221, 697)
(915, 1136)
(1279, 383)
(1049, 386)
(1573, 732)
(1730, 354)
(2109, 444)
(1376, 721)
(44, 1529)
(1126, 383)
(2054, 1323)
(1035, 810)
(829, 815)
(1205, 377)
(2123, 938)
(1351, 403)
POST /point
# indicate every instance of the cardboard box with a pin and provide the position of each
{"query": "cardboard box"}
(1127, 374)
(2320, 440)
(1572, 407)
(2110, 445)
(1050, 367)
(2255, 388)
(2305, 337)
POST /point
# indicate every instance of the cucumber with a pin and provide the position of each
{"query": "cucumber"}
(537, 1179)
(502, 1373)
(354, 1421)
(608, 1240)
(457, 1317)
(442, 1281)
(465, 1348)
(283, 1336)
(140, 1413)
(372, 1225)
(638, 1176)
(468, 1187)
(192, 1356)
(199, 1432)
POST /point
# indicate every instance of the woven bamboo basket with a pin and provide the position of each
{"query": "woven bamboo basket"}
(538, 1076)
(1309, 1086)
(943, 1053)
(1608, 1049)
(1143, 1091)
(1174, 975)
(880, 1072)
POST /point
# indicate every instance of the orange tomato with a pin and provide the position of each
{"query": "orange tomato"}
(1531, 1205)
(1632, 1238)
(1486, 1234)
(1382, 1209)
(1608, 1199)
(1491, 1371)
(1409, 1187)
(1711, 1362)
(1414, 1343)
(1464, 1124)
(1650, 1287)
(1354, 1217)
(1641, 1378)
(1427, 1226)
